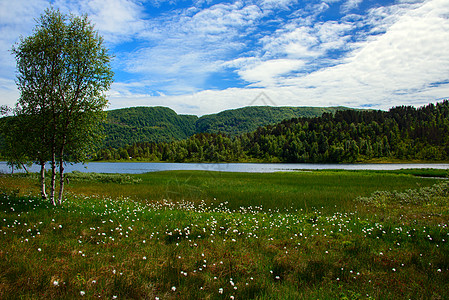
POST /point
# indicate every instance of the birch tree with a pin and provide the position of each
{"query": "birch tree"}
(63, 74)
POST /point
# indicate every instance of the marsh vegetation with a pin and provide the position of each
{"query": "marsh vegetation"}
(199, 235)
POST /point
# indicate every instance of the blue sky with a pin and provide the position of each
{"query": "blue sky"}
(204, 56)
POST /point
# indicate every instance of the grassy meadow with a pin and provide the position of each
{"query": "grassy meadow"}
(218, 235)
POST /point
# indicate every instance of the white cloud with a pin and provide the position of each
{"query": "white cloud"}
(400, 64)
(209, 101)
(270, 73)
(293, 47)
(332, 34)
(291, 41)
(307, 40)
(200, 103)
(185, 48)
(117, 21)
(276, 4)
(350, 5)
(411, 53)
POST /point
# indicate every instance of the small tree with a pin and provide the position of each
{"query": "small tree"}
(63, 73)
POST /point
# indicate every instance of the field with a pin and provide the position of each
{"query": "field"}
(207, 235)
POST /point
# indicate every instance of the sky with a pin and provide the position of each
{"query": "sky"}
(204, 56)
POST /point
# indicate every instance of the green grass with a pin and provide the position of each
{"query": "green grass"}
(297, 190)
(258, 240)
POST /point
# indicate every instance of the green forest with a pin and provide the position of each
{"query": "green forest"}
(161, 124)
(146, 124)
(340, 136)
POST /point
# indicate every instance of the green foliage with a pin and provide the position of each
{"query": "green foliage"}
(14, 142)
(437, 194)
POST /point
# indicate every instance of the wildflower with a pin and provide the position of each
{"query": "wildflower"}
(39, 249)
(82, 293)
(144, 258)
(220, 290)
(173, 288)
(55, 283)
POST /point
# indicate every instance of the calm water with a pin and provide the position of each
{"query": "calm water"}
(136, 168)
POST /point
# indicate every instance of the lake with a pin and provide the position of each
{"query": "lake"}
(142, 167)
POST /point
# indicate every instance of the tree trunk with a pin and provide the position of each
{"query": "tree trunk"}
(53, 179)
(61, 169)
(43, 192)
(61, 179)
(24, 167)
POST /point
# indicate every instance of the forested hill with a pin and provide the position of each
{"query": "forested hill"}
(405, 133)
(161, 124)
(127, 126)
(243, 120)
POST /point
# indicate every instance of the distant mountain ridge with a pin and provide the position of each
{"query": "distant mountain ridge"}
(127, 126)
